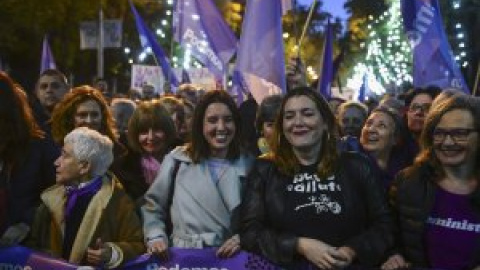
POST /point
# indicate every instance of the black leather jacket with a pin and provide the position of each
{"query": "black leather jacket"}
(412, 197)
(365, 205)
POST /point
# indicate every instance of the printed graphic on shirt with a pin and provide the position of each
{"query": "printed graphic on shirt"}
(458, 225)
(311, 193)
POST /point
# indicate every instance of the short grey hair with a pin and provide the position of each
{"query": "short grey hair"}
(93, 147)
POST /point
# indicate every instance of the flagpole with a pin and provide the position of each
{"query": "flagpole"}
(307, 23)
(295, 24)
(175, 3)
(100, 65)
(477, 79)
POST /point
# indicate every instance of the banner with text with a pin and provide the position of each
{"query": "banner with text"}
(22, 258)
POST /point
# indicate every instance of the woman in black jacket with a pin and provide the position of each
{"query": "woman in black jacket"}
(306, 203)
(437, 199)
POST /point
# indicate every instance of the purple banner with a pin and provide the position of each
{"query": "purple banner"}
(179, 259)
(326, 71)
(200, 27)
(18, 257)
(433, 60)
(260, 58)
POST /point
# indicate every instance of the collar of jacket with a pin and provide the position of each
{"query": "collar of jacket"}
(55, 197)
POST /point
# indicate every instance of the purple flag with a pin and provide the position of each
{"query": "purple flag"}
(200, 27)
(362, 92)
(433, 61)
(260, 59)
(326, 66)
(185, 76)
(47, 57)
(147, 40)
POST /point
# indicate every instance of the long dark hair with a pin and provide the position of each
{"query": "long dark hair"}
(282, 152)
(198, 149)
(17, 124)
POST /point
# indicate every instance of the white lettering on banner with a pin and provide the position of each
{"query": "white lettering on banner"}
(190, 38)
(424, 19)
(154, 266)
(7, 266)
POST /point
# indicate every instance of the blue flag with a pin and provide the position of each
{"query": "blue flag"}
(260, 58)
(362, 92)
(433, 61)
(185, 76)
(47, 62)
(326, 66)
(199, 27)
(147, 40)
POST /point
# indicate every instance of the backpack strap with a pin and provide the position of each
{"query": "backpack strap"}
(168, 223)
(176, 166)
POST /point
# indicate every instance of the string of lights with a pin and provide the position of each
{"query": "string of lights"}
(387, 60)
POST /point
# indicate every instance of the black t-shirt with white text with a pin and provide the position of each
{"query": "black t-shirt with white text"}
(314, 208)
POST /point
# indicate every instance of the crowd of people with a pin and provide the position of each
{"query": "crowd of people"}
(298, 179)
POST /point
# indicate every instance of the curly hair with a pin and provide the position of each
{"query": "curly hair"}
(282, 152)
(456, 102)
(63, 116)
(17, 124)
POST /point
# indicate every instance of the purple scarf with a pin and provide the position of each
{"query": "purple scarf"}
(150, 167)
(73, 193)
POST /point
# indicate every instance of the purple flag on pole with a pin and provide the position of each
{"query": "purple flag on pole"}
(362, 92)
(326, 66)
(185, 76)
(200, 27)
(260, 58)
(433, 61)
(47, 62)
(147, 40)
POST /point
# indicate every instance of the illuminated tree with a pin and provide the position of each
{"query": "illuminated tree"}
(387, 55)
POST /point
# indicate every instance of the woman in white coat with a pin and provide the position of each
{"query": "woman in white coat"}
(199, 185)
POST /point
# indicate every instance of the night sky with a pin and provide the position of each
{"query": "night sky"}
(335, 7)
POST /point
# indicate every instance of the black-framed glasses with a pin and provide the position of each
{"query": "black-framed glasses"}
(457, 134)
(424, 108)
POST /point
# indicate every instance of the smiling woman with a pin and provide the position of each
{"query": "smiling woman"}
(151, 135)
(306, 203)
(199, 185)
(436, 199)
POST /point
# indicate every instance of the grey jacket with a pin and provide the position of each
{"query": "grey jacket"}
(200, 211)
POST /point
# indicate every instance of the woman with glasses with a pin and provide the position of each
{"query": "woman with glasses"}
(418, 102)
(437, 200)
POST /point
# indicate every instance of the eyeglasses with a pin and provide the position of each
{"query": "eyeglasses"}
(457, 134)
(424, 108)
